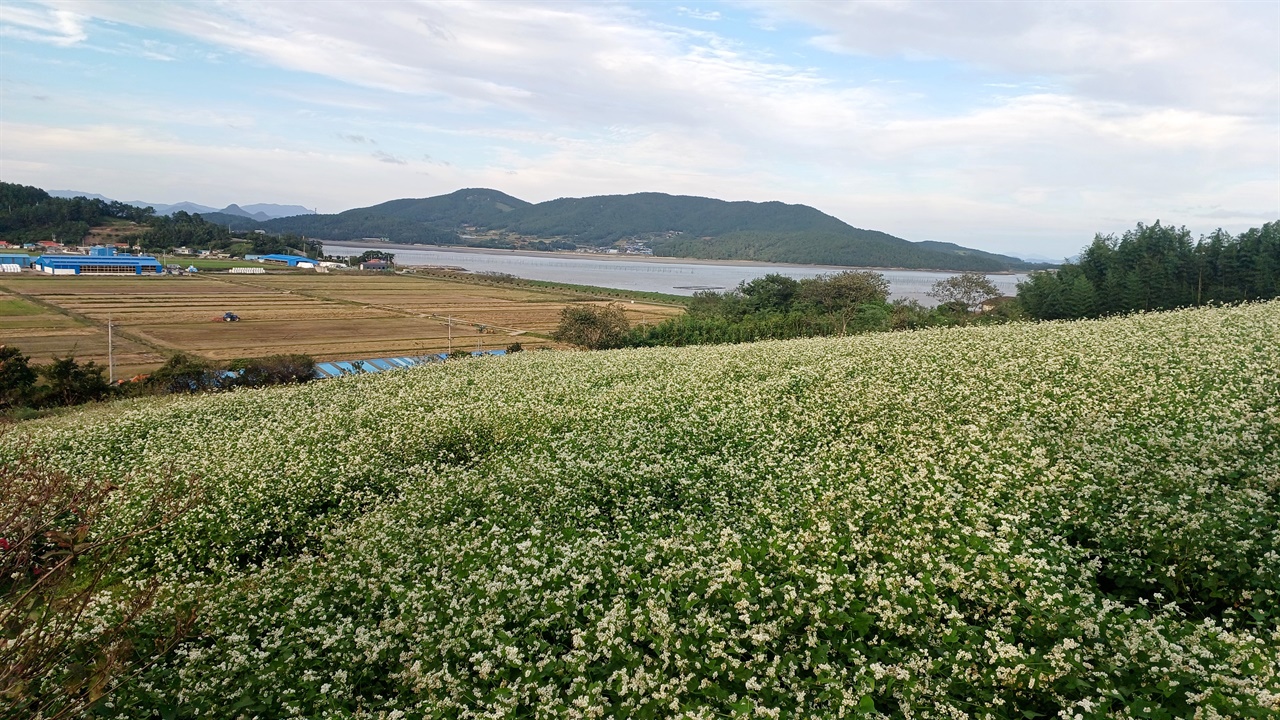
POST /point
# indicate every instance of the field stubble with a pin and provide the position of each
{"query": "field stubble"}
(330, 317)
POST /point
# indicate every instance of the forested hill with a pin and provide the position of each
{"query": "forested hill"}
(29, 214)
(433, 221)
(608, 218)
(672, 225)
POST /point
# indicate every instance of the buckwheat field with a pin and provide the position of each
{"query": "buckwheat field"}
(1074, 520)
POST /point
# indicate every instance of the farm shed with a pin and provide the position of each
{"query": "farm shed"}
(290, 260)
(85, 265)
(338, 368)
(19, 260)
(356, 367)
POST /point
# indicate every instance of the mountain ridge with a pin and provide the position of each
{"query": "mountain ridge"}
(669, 225)
(257, 211)
(663, 224)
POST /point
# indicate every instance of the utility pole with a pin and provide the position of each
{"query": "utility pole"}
(111, 357)
(450, 335)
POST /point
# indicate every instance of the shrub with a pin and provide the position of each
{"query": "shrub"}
(55, 565)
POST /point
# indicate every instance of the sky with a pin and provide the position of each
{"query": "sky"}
(1017, 127)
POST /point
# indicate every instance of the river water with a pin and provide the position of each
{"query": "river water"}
(631, 272)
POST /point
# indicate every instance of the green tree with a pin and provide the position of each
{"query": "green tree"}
(843, 293)
(868, 317)
(1064, 294)
(969, 290)
(17, 378)
(368, 255)
(1079, 299)
(593, 327)
(184, 373)
(73, 383)
(773, 292)
(908, 314)
(273, 370)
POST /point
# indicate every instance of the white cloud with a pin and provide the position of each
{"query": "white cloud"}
(580, 99)
(1207, 56)
(386, 157)
(696, 14)
(58, 27)
(167, 169)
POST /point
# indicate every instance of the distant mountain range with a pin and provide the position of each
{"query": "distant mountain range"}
(668, 225)
(260, 211)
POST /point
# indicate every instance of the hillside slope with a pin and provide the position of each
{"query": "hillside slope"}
(29, 214)
(606, 218)
(673, 225)
(433, 221)
(698, 227)
(1037, 520)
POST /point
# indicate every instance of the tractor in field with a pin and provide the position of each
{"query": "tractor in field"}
(230, 317)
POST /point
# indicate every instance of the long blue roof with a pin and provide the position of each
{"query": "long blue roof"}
(74, 260)
(291, 259)
(23, 260)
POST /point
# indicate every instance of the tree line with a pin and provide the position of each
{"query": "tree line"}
(777, 307)
(66, 381)
(1157, 267)
(182, 229)
(29, 214)
(1151, 267)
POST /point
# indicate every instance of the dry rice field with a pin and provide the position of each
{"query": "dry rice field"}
(330, 317)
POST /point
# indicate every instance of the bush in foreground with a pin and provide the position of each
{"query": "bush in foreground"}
(70, 630)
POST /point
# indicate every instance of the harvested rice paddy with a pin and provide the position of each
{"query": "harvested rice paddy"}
(327, 316)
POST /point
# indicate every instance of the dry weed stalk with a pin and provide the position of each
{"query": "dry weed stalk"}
(70, 627)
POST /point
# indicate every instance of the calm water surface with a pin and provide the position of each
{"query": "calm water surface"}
(648, 274)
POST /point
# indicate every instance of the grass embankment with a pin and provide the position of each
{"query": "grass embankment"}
(1054, 520)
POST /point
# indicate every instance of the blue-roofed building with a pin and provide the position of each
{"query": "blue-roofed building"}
(338, 368)
(22, 260)
(98, 265)
(290, 260)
